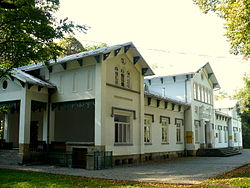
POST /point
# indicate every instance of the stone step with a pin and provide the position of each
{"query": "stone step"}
(218, 152)
(9, 157)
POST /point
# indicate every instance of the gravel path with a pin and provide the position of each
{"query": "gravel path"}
(189, 170)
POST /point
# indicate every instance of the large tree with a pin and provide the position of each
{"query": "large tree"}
(28, 29)
(244, 107)
(237, 21)
(71, 45)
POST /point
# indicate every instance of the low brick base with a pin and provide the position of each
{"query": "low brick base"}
(143, 158)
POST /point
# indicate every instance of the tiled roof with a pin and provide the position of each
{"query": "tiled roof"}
(149, 94)
(90, 53)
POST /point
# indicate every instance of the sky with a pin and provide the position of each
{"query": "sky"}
(169, 34)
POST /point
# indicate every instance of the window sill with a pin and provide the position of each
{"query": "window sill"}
(123, 88)
(203, 102)
(147, 143)
(179, 143)
(121, 144)
(164, 143)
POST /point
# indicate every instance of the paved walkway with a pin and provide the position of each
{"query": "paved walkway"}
(189, 170)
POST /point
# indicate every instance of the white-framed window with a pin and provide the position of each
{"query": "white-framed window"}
(219, 134)
(205, 95)
(116, 76)
(147, 129)
(197, 126)
(211, 97)
(202, 94)
(163, 91)
(225, 134)
(178, 123)
(235, 129)
(122, 129)
(165, 129)
(208, 97)
(195, 91)
(198, 92)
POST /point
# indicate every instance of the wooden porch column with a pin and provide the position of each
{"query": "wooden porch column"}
(6, 128)
(24, 124)
(45, 125)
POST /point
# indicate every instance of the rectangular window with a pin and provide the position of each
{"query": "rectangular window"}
(165, 131)
(225, 134)
(219, 130)
(178, 130)
(197, 125)
(202, 94)
(195, 91)
(122, 129)
(163, 91)
(235, 129)
(198, 92)
(147, 129)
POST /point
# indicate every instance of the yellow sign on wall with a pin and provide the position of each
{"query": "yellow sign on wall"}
(189, 136)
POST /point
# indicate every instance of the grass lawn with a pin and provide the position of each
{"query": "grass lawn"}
(14, 178)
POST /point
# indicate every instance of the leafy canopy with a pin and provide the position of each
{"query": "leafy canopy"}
(71, 45)
(237, 16)
(28, 29)
(244, 96)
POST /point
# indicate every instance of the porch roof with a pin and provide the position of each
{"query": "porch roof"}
(27, 78)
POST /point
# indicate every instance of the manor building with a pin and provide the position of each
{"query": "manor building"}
(98, 101)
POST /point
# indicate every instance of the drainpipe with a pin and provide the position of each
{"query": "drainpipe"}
(185, 136)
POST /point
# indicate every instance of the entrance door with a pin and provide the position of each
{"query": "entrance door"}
(33, 132)
(207, 133)
(79, 158)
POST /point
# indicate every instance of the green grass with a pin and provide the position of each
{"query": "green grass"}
(24, 179)
(17, 179)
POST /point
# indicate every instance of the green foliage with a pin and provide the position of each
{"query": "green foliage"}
(70, 46)
(12, 178)
(28, 30)
(244, 97)
(244, 106)
(93, 47)
(237, 16)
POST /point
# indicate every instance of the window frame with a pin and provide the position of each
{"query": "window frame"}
(165, 129)
(179, 130)
(147, 130)
(127, 126)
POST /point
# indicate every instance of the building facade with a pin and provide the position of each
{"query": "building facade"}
(95, 101)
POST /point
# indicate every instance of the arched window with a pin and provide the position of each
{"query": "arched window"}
(205, 95)
(202, 94)
(116, 75)
(195, 90)
(122, 78)
(128, 79)
(198, 96)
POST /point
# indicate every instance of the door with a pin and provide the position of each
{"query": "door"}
(79, 158)
(33, 132)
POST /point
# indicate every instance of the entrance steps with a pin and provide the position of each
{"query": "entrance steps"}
(10, 157)
(218, 152)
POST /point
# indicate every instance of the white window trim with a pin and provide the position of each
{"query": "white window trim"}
(130, 131)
